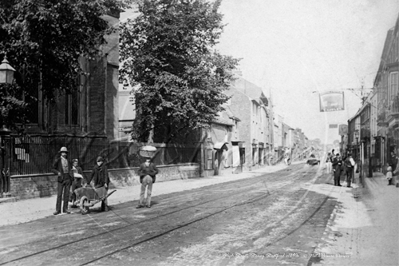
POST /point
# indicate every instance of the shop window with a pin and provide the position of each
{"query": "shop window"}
(393, 83)
(72, 108)
(209, 159)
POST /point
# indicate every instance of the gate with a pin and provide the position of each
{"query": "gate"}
(4, 165)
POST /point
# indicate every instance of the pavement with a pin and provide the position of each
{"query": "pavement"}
(21, 211)
(363, 228)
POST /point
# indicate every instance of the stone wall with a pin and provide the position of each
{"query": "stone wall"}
(44, 185)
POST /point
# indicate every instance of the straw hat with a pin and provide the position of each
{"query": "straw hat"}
(64, 149)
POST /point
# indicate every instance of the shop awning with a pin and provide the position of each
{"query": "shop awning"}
(220, 145)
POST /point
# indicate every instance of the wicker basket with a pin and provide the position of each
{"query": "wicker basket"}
(147, 151)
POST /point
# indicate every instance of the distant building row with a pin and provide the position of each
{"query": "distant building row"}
(248, 134)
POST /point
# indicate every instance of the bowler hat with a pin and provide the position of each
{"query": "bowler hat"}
(63, 149)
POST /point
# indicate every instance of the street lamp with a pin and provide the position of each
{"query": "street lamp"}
(6, 72)
(6, 77)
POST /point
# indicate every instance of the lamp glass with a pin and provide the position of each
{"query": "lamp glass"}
(6, 72)
(3, 76)
(9, 76)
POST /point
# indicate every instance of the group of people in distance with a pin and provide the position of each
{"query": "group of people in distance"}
(338, 166)
(70, 177)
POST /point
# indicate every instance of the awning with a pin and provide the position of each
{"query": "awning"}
(237, 141)
(220, 145)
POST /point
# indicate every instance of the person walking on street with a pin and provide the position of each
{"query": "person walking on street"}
(337, 169)
(62, 168)
(349, 165)
(332, 158)
(99, 176)
(328, 163)
(77, 179)
(147, 173)
(389, 175)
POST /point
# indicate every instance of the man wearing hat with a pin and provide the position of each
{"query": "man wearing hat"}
(147, 172)
(337, 169)
(62, 168)
(99, 176)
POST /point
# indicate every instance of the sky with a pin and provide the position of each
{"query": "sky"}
(294, 49)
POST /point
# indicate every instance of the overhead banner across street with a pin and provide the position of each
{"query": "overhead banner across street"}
(332, 101)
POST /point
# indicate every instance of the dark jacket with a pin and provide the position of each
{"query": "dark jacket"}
(337, 163)
(150, 170)
(57, 168)
(393, 163)
(99, 175)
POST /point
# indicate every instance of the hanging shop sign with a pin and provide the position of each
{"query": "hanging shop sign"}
(343, 129)
(332, 101)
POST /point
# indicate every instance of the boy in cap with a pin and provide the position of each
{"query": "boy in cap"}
(99, 176)
(147, 172)
(77, 179)
(62, 168)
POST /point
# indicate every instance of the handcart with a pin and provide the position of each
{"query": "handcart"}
(87, 197)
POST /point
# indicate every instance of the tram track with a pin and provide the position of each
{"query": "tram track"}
(249, 201)
(242, 191)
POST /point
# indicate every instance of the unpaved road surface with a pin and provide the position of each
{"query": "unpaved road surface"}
(273, 219)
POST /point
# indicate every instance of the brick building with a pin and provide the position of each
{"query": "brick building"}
(251, 106)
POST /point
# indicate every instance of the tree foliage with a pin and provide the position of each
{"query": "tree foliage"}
(43, 40)
(12, 109)
(167, 54)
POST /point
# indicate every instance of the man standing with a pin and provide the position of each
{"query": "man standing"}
(62, 168)
(147, 172)
(337, 168)
(328, 163)
(349, 165)
(100, 178)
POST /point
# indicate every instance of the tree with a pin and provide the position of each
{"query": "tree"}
(43, 41)
(167, 55)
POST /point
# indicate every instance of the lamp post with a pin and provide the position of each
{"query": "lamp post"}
(6, 72)
(6, 77)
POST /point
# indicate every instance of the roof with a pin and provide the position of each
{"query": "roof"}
(385, 50)
(249, 89)
(224, 118)
(359, 111)
(230, 114)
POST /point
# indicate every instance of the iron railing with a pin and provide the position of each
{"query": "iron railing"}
(27, 155)
(35, 154)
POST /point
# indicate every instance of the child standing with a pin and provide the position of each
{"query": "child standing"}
(77, 179)
(389, 175)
